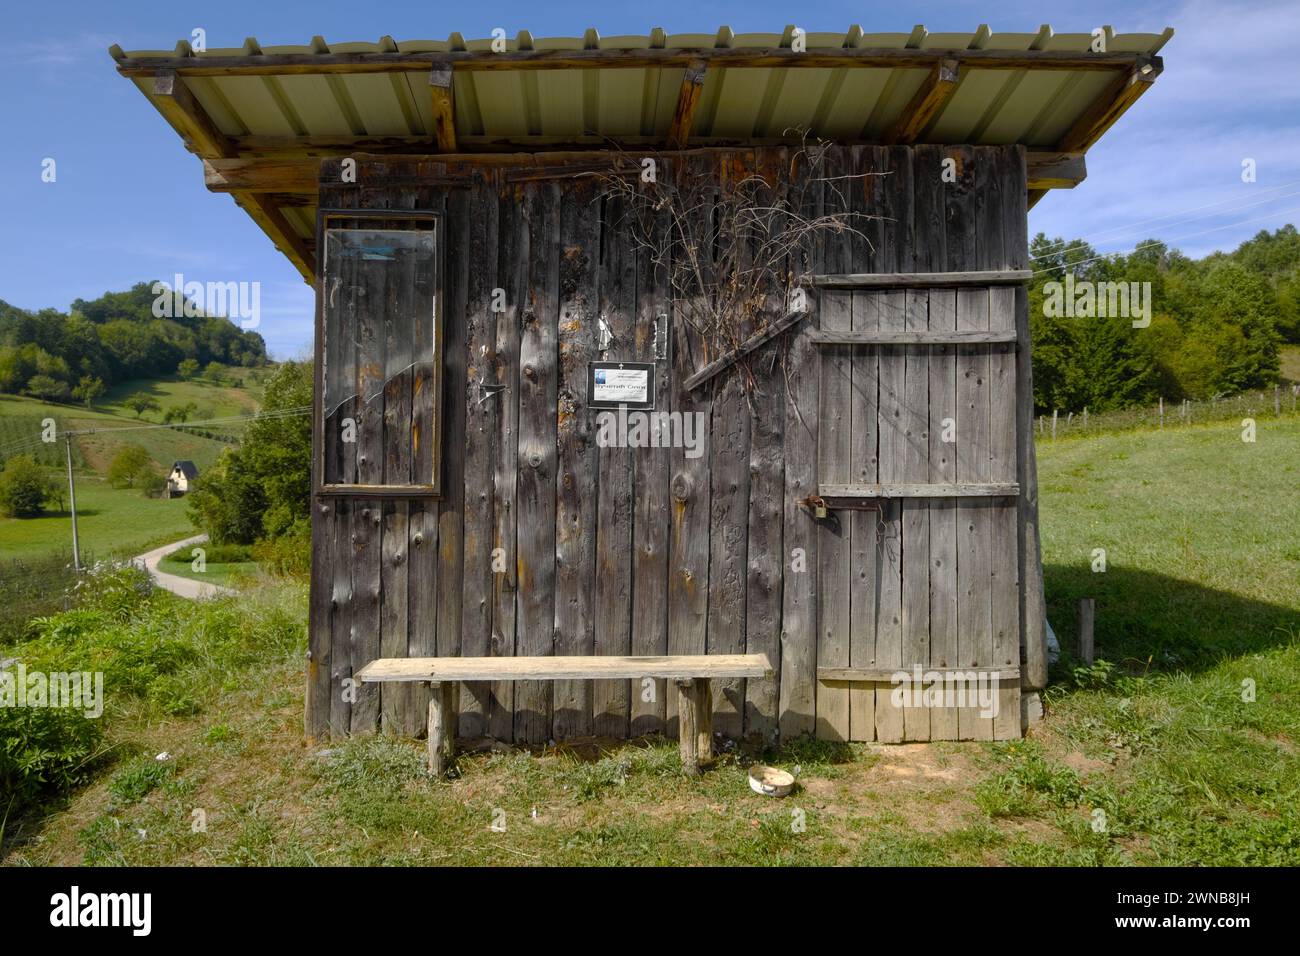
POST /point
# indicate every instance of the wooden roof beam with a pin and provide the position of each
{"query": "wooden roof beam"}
(924, 105)
(1111, 105)
(272, 64)
(1048, 169)
(178, 105)
(444, 113)
(688, 99)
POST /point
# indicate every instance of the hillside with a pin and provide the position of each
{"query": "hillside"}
(120, 520)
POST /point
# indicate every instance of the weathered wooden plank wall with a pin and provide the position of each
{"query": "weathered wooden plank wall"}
(543, 543)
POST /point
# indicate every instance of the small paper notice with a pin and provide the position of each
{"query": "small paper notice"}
(629, 386)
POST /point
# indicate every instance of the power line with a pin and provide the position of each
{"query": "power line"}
(24, 444)
(1056, 247)
(1144, 245)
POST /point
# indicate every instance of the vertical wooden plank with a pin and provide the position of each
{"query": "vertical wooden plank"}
(766, 488)
(1005, 546)
(929, 190)
(688, 578)
(611, 699)
(889, 547)
(728, 538)
(866, 243)
(373, 281)
(834, 450)
(451, 506)
(320, 613)
(916, 514)
(1033, 622)
(865, 524)
(482, 429)
(729, 494)
(537, 456)
(651, 518)
(341, 598)
(513, 242)
(320, 622)
(421, 599)
(974, 526)
(575, 500)
(799, 553)
(834, 466)
(403, 299)
(395, 700)
(943, 512)
(896, 255)
(422, 514)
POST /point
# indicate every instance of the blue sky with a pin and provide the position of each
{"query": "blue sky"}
(129, 203)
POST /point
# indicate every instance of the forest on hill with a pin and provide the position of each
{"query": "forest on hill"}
(1216, 324)
(79, 354)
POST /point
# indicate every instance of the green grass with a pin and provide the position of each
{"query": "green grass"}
(213, 401)
(110, 522)
(113, 522)
(1157, 754)
(222, 566)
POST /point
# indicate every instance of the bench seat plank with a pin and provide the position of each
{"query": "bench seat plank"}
(579, 667)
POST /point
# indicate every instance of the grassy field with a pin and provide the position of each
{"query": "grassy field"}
(110, 521)
(228, 573)
(1178, 747)
(117, 521)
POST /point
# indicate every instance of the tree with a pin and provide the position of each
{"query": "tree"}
(130, 467)
(47, 389)
(262, 489)
(24, 487)
(188, 368)
(141, 403)
(180, 413)
(89, 389)
(215, 373)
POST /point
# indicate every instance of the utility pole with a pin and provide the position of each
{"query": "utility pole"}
(72, 500)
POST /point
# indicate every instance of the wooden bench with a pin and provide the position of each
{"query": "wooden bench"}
(691, 673)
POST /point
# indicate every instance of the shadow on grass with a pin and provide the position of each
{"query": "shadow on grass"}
(1149, 622)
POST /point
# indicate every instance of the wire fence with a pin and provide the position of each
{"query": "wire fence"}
(1280, 402)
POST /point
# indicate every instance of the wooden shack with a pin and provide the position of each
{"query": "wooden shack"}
(811, 244)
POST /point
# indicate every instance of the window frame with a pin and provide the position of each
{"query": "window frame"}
(327, 219)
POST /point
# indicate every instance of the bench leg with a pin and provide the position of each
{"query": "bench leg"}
(442, 727)
(695, 723)
(704, 719)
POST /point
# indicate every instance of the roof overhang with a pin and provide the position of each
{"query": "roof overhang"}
(261, 119)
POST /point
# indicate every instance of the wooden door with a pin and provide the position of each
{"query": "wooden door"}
(919, 554)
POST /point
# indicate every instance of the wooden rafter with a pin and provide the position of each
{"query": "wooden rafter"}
(270, 64)
(1111, 105)
(924, 105)
(444, 113)
(177, 103)
(688, 99)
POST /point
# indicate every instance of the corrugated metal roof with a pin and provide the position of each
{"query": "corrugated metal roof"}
(300, 109)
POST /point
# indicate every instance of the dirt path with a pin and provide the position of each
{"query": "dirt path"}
(185, 587)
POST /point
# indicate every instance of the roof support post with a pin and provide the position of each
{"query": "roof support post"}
(688, 98)
(1111, 105)
(444, 113)
(924, 105)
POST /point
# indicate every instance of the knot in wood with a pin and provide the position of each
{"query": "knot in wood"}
(682, 487)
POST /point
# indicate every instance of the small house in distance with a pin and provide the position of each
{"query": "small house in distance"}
(179, 478)
(807, 249)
